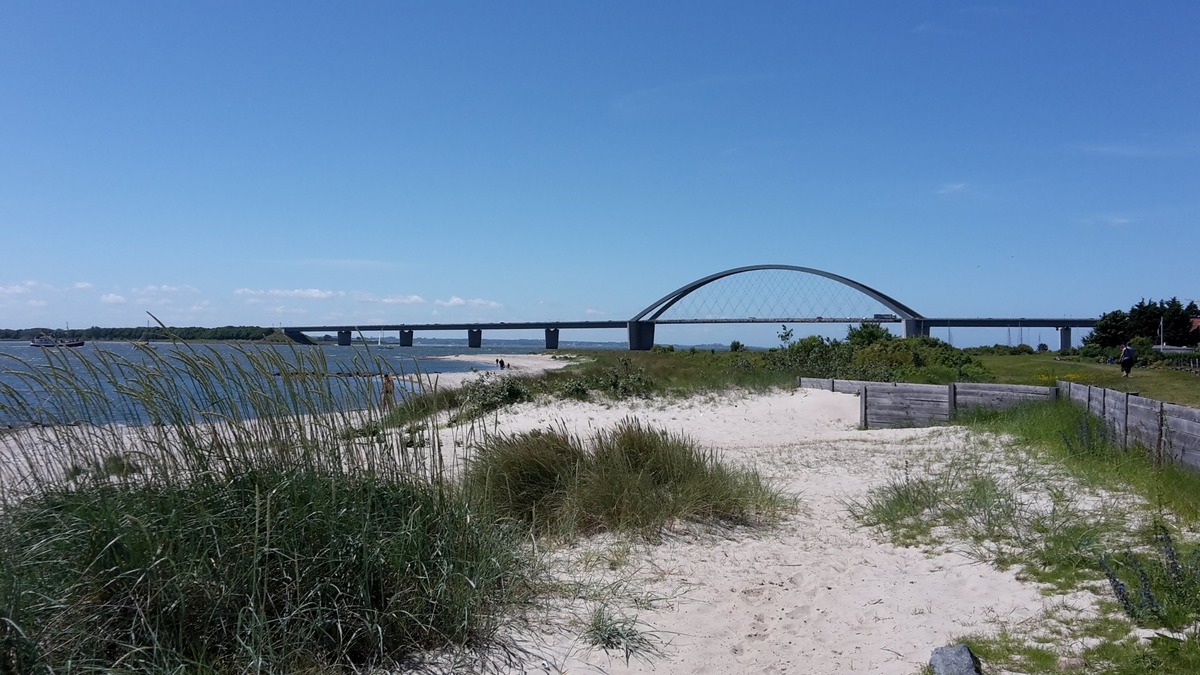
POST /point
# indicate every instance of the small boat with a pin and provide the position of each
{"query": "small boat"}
(44, 340)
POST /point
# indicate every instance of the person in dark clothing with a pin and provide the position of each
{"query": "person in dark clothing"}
(1126, 359)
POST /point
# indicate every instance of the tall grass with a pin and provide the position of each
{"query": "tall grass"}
(1081, 443)
(630, 479)
(234, 525)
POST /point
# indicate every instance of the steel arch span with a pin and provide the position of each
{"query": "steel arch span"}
(654, 313)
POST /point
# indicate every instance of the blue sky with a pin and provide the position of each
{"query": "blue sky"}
(294, 163)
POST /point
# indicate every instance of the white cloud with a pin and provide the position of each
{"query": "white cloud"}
(403, 300)
(112, 299)
(593, 312)
(314, 293)
(83, 285)
(454, 301)
(17, 289)
(952, 189)
(154, 290)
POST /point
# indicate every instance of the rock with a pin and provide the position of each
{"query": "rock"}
(956, 660)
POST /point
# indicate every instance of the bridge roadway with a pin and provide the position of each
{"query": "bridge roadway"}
(641, 333)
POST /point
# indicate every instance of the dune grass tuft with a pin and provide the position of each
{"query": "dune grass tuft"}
(630, 479)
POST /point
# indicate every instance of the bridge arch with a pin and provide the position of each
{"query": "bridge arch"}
(657, 308)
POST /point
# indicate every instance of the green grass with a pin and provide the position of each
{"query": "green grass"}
(1065, 506)
(263, 537)
(257, 522)
(1173, 386)
(630, 479)
(612, 632)
(1075, 439)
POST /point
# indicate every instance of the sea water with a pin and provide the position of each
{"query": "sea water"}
(40, 385)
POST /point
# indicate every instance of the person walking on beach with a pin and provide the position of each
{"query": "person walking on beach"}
(389, 390)
(1126, 359)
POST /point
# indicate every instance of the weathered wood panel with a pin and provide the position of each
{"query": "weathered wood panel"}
(849, 386)
(1143, 423)
(891, 405)
(816, 383)
(1096, 401)
(1115, 403)
(999, 396)
(1181, 434)
(1076, 392)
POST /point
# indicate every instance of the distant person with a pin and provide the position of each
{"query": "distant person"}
(1127, 357)
(501, 364)
(389, 390)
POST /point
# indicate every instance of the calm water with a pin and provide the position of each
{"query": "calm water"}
(35, 384)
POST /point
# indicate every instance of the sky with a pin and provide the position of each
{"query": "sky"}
(317, 163)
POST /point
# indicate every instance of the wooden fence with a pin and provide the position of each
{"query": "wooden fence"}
(1168, 431)
(886, 405)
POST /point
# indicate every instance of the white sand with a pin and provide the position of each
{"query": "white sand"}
(816, 594)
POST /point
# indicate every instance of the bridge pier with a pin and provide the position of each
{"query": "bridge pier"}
(551, 338)
(641, 336)
(474, 338)
(406, 338)
(344, 338)
(1064, 338)
(916, 328)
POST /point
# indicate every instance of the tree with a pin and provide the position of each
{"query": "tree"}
(1111, 329)
(785, 336)
(1177, 323)
(867, 334)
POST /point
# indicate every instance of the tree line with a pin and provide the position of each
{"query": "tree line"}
(1165, 322)
(143, 333)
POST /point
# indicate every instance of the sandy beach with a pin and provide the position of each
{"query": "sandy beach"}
(814, 594)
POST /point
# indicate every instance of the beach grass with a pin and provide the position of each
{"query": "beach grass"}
(1067, 507)
(238, 527)
(253, 511)
(631, 479)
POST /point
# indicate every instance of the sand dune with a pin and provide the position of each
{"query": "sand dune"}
(816, 594)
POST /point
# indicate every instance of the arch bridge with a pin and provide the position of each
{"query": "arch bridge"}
(779, 294)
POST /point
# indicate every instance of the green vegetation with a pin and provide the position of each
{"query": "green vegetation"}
(259, 537)
(1066, 507)
(1150, 378)
(631, 479)
(136, 334)
(259, 521)
(1163, 322)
